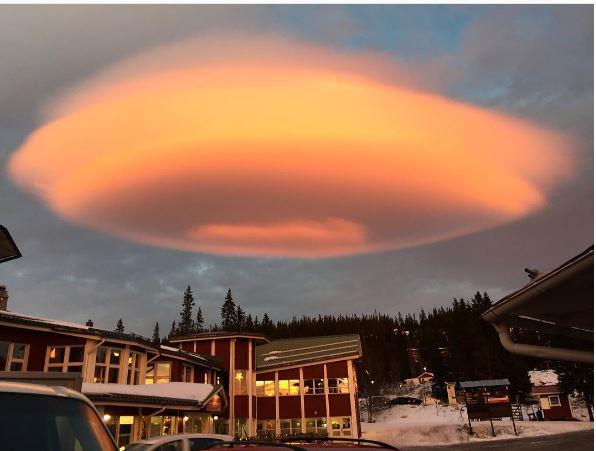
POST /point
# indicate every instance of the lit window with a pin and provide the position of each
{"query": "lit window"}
(265, 388)
(107, 365)
(316, 426)
(240, 382)
(554, 400)
(289, 387)
(341, 426)
(65, 359)
(158, 373)
(338, 385)
(314, 387)
(290, 427)
(134, 366)
(13, 356)
(266, 428)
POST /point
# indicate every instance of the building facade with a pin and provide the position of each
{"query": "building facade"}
(142, 389)
(240, 384)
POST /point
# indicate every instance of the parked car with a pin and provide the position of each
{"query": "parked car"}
(179, 442)
(304, 443)
(403, 400)
(48, 418)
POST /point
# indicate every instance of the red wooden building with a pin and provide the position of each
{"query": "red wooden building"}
(225, 382)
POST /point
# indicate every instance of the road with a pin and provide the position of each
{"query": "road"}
(571, 441)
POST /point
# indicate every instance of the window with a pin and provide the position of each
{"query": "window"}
(158, 373)
(338, 385)
(107, 365)
(187, 373)
(341, 426)
(240, 383)
(134, 365)
(289, 387)
(265, 428)
(554, 400)
(197, 444)
(316, 425)
(65, 359)
(314, 387)
(265, 388)
(290, 427)
(13, 356)
(170, 446)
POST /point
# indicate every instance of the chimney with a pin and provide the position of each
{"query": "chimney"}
(89, 323)
(3, 297)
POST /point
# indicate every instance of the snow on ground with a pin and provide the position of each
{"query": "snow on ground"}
(441, 425)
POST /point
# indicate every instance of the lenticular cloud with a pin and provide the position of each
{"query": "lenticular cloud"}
(271, 148)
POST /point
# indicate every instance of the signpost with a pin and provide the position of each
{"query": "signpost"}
(488, 400)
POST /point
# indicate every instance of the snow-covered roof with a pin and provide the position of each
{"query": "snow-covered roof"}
(45, 320)
(172, 390)
(298, 351)
(210, 361)
(69, 327)
(484, 383)
(543, 377)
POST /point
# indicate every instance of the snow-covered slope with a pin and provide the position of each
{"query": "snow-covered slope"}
(441, 425)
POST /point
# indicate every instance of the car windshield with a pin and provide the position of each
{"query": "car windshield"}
(49, 423)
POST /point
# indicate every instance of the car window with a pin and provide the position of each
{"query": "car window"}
(175, 445)
(64, 424)
(200, 443)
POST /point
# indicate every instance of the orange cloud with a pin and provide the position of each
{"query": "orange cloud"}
(282, 150)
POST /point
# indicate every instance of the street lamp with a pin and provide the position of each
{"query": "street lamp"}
(8, 248)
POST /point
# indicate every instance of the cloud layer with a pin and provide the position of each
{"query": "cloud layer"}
(266, 147)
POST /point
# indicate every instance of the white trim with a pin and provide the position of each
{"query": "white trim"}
(275, 388)
(10, 359)
(301, 379)
(352, 392)
(326, 388)
(250, 381)
(231, 420)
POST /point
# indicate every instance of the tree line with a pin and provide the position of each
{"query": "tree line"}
(454, 342)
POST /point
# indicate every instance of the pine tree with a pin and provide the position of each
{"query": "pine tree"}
(173, 331)
(119, 326)
(266, 324)
(228, 312)
(185, 325)
(156, 339)
(249, 324)
(199, 322)
(240, 318)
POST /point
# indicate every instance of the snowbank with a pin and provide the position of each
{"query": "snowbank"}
(175, 390)
(441, 425)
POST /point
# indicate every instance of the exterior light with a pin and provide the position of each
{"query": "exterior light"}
(185, 419)
(239, 376)
(116, 354)
(8, 248)
(215, 417)
(106, 417)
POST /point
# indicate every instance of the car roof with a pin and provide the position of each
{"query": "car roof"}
(168, 438)
(41, 390)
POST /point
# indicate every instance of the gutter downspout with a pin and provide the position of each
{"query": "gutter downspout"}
(542, 352)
